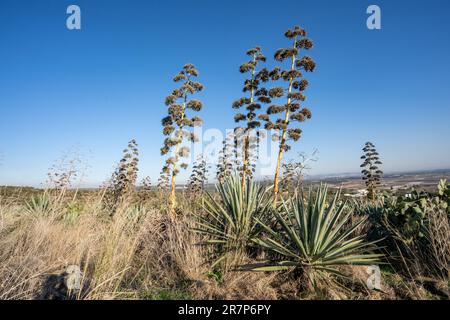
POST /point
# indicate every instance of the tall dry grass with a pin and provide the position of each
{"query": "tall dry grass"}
(33, 247)
(139, 253)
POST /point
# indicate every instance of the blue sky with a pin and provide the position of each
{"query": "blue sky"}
(96, 88)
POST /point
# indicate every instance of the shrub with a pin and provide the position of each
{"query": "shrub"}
(414, 230)
(399, 216)
(443, 196)
(294, 172)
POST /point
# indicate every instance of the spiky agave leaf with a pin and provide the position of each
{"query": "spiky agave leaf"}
(233, 221)
(315, 236)
(39, 205)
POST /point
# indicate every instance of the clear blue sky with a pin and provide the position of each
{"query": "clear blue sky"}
(96, 88)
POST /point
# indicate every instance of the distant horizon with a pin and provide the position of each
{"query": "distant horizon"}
(259, 179)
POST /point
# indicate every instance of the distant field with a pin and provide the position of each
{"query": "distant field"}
(426, 181)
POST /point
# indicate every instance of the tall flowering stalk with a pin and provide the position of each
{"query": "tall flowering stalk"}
(177, 123)
(199, 177)
(255, 96)
(372, 174)
(163, 182)
(226, 161)
(145, 189)
(123, 180)
(291, 110)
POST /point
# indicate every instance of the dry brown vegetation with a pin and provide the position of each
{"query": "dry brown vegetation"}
(137, 254)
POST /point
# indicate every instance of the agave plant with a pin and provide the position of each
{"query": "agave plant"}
(39, 205)
(135, 215)
(314, 237)
(232, 221)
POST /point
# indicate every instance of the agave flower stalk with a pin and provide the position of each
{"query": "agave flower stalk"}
(198, 178)
(292, 110)
(145, 189)
(225, 165)
(252, 102)
(176, 124)
(163, 181)
(371, 173)
(123, 180)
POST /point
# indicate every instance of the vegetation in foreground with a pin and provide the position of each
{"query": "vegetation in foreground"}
(230, 244)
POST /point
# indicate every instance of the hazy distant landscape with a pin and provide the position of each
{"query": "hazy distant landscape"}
(422, 180)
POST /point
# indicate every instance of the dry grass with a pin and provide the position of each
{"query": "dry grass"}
(137, 254)
(34, 247)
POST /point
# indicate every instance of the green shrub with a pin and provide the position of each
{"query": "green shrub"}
(443, 196)
(414, 230)
(74, 210)
(404, 216)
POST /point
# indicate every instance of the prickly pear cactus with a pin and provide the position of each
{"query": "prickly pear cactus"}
(443, 197)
